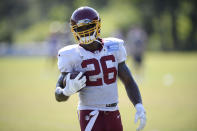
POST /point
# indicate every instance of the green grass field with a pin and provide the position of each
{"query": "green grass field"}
(169, 91)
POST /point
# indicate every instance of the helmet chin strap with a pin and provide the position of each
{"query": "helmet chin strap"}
(98, 41)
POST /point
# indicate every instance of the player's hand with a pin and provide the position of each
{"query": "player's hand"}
(74, 85)
(140, 115)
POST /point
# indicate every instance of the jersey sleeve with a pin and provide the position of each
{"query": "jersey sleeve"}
(65, 63)
(121, 53)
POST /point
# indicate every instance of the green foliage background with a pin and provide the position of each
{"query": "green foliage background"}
(171, 25)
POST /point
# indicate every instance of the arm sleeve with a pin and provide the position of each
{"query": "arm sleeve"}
(121, 54)
(64, 62)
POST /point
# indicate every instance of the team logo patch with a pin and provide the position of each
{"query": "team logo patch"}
(112, 47)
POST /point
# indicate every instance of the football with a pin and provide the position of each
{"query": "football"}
(72, 76)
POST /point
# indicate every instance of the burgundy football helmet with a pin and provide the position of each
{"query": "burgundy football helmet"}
(85, 25)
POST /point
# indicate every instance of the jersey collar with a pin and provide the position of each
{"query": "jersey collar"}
(100, 48)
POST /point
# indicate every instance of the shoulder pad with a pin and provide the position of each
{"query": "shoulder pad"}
(113, 40)
(68, 50)
(67, 58)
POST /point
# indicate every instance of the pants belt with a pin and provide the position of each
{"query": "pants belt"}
(111, 105)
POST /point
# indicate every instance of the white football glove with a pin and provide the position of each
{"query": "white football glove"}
(140, 115)
(74, 85)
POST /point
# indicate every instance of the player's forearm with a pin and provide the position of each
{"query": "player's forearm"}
(130, 84)
(58, 92)
(133, 93)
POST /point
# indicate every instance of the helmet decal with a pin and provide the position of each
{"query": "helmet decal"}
(84, 21)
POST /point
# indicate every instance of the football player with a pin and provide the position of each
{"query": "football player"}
(100, 62)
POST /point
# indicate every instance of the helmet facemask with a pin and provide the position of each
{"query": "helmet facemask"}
(86, 31)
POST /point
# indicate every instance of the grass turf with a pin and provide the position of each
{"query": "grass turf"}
(169, 92)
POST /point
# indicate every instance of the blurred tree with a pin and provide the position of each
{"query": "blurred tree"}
(9, 9)
(192, 38)
(156, 9)
(170, 24)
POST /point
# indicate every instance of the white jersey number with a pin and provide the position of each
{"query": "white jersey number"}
(97, 71)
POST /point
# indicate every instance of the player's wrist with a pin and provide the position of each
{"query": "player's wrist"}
(58, 90)
(139, 107)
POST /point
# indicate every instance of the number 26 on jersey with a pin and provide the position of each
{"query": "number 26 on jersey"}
(97, 70)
